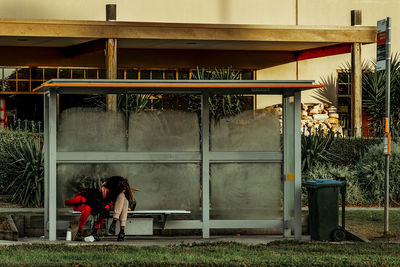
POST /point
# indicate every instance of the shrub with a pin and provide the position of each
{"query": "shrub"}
(7, 139)
(82, 182)
(370, 172)
(349, 151)
(221, 106)
(315, 148)
(354, 195)
(24, 174)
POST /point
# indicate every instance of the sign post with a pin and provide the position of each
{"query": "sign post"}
(383, 63)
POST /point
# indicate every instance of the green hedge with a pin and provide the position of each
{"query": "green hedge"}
(370, 172)
(349, 151)
(364, 173)
(332, 171)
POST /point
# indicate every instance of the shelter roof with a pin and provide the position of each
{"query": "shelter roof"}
(68, 86)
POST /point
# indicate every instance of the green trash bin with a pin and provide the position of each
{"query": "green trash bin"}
(323, 206)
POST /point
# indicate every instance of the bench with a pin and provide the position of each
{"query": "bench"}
(140, 222)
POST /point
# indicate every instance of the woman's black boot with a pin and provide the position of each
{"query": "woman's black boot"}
(78, 236)
(95, 235)
(121, 236)
(111, 230)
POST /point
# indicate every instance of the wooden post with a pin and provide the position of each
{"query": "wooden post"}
(111, 58)
(111, 12)
(356, 80)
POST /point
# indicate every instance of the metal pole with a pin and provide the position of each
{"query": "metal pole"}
(52, 185)
(205, 161)
(288, 164)
(46, 164)
(387, 114)
(297, 165)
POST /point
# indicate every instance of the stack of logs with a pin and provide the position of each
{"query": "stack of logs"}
(315, 119)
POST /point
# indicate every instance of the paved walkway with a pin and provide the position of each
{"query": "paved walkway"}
(41, 210)
(153, 241)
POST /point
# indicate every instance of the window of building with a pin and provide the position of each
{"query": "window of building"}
(78, 73)
(344, 92)
(92, 74)
(26, 78)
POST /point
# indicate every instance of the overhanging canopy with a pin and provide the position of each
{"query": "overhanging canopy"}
(68, 86)
(184, 45)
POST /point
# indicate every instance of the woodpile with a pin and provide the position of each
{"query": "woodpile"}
(315, 119)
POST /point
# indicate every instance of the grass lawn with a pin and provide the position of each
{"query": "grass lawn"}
(284, 253)
(370, 223)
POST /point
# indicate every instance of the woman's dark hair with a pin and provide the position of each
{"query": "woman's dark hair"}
(117, 185)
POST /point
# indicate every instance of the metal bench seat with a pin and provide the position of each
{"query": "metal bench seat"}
(138, 217)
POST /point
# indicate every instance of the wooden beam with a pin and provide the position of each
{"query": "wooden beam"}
(356, 80)
(356, 85)
(111, 12)
(111, 58)
(111, 71)
(183, 31)
(356, 18)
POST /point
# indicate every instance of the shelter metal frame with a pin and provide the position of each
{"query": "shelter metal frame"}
(290, 157)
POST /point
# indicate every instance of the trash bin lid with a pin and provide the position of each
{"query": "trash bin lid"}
(324, 182)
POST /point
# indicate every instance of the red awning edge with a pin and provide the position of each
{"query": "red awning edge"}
(323, 51)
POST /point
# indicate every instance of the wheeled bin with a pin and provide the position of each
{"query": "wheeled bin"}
(323, 205)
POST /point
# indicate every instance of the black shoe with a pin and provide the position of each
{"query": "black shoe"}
(95, 235)
(96, 238)
(78, 236)
(111, 230)
(121, 236)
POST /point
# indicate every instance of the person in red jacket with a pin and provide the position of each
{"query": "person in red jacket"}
(90, 201)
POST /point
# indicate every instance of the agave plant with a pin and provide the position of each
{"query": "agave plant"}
(25, 171)
(315, 148)
(373, 84)
(220, 105)
(125, 102)
(83, 181)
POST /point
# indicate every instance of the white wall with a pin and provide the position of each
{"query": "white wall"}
(184, 11)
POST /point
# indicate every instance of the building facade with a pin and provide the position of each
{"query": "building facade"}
(67, 41)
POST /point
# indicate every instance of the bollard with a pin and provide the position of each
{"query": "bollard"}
(68, 237)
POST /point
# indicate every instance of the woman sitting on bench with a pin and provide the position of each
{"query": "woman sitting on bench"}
(90, 201)
(120, 193)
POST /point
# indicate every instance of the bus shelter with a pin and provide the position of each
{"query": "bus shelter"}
(287, 157)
